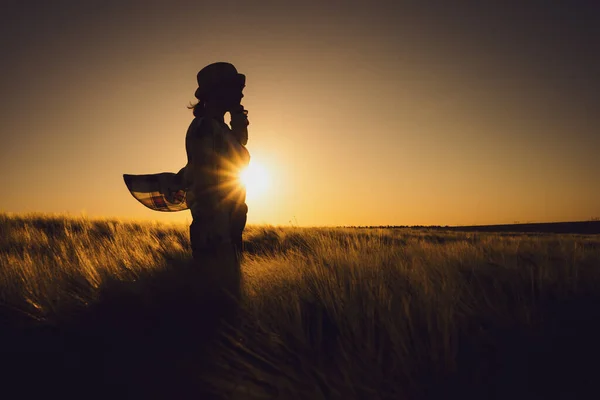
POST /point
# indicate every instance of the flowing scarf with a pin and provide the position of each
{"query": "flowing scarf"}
(158, 192)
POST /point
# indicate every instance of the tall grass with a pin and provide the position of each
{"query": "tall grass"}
(326, 313)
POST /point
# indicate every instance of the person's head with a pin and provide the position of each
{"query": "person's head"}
(219, 86)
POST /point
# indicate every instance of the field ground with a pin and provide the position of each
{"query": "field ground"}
(113, 309)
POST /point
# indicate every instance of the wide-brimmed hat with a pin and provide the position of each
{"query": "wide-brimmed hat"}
(216, 74)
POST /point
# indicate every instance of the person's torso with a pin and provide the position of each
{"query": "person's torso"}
(231, 158)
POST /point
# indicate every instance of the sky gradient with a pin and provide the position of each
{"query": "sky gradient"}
(364, 113)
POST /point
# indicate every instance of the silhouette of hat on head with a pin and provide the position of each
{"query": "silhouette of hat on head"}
(216, 74)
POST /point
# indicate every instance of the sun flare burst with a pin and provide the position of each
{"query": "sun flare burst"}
(256, 179)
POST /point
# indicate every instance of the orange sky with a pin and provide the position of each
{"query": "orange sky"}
(364, 113)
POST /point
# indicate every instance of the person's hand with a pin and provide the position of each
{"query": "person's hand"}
(239, 117)
(236, 109)
(164, 186)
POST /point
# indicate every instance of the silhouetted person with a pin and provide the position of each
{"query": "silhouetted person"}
(209, 184)
(216, 155)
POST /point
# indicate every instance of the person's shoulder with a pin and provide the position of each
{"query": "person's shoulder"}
(202, 127)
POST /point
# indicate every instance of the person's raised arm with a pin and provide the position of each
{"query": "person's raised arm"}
(239, 124)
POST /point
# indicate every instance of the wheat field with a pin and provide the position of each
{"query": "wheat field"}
(97, 308)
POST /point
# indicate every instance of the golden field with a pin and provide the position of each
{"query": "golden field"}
(107, 308)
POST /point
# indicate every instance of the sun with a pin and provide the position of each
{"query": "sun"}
(255, 178)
